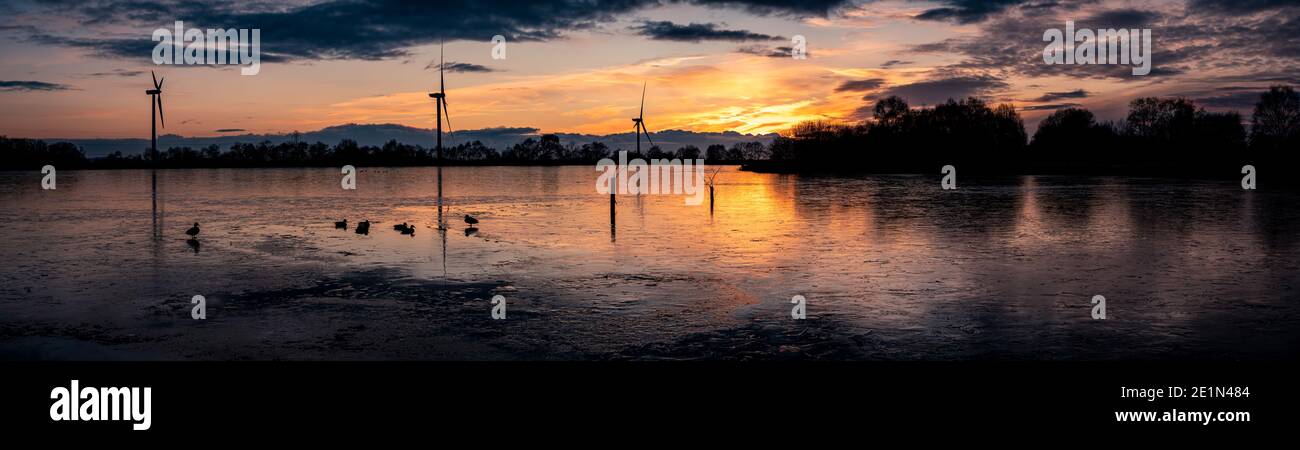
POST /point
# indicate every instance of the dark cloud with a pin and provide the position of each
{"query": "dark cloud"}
(894, 62)
(118, 73)
(1120, 18)
(796, 8)
(13, 86)
(142, 48)
(696, 32)
(966, 11)
(1050, 107)
(860, 85)
(1012, 43)
(770, 52)
(452, 66)
(231, 130)
(1239, 97)
(1240, 6)
(366, 30)
(936, 91)
(1235, 100)
(1054, 96)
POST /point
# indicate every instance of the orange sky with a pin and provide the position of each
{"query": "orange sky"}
(588, 81)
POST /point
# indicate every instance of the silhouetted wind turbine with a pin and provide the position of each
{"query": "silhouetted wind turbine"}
(638, 123)
(156, 113)
(155, 116)
(441, 107)
(639, 127)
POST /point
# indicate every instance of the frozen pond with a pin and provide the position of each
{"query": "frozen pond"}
(892, 267)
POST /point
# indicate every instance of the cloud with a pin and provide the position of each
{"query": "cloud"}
(1011, 43)
(894, 62)
(367, 30)
(1053, 96)
(770, 52)
(1225, 97)
(231, 130)
(860, 85)
(1236, 100)
(118, 73)
(1050, 107)
(936, 91)
(696, 32)
(1240, 6)
(452, 66)
(794, 8)
(15, 86)
(966, 11)
(1120, 18)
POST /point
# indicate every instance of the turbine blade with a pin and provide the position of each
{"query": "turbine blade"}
(446, 114)
(642, 113)
(442, 88)
(160, 82)
(647, 135)
(155, 79)
(160, 111)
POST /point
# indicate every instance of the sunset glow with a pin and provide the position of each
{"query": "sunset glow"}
(587, 79)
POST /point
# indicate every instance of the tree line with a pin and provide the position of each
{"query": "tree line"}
(1158, 136)
(28, 154)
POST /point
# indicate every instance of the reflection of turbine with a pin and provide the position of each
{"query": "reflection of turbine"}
(441, 107)
(155, 116)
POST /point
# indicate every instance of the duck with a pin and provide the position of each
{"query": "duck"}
(400, 226)
(470, 220)
(408, 230)
(341, 224)
(363, 227)
(194, 230)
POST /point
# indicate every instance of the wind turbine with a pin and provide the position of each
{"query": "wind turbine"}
(155, 113)
(638, 123)
(441, 106)
(155, 116)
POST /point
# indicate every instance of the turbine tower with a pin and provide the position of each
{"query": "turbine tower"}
(440, 107)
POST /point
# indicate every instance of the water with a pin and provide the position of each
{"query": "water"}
(892, 268)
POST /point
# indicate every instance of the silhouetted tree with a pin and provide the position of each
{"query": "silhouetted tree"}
(528, 150)
(27, 154)
(688, 152)
(593, 151)
(549, 148)
(1071, 130)
(1276, 121)
(716, 152)
(1161, 120)
(657, 153)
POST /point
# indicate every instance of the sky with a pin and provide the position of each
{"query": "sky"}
(78, 69)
